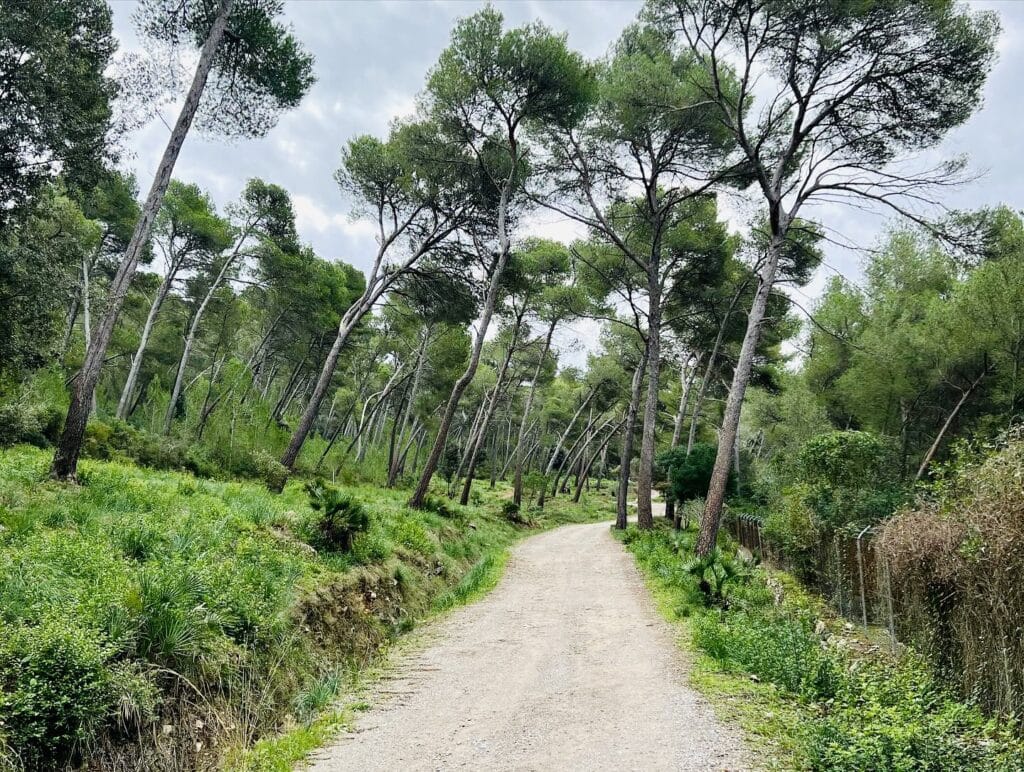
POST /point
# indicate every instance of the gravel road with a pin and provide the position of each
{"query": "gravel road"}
(564, 666)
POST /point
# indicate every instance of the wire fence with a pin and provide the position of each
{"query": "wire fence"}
(848, 571)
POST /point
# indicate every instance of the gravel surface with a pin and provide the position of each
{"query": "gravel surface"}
(564, 666)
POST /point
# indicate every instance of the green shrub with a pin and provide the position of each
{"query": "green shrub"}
(773, 645)
(851, 479)
(37, 425)
(717, 574)
(689, 474)
(341, 518)
(268, 469)
(440, 506)
(511, 512)
(56, 691)
(895, 716)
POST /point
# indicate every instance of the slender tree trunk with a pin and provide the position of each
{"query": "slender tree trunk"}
(65, 460)
(517, 488)
(677, 429)
(711, 518)
(347, 324)
(147, 329)
(193, 329)
(69, 324)
(698, 402)
(498, 268)
(87, 325)
(622, 494)
(949, 422)
(492, 406)
(411, 401)
(474, 429)
(558, 446)
(593, 457)
(645, 476)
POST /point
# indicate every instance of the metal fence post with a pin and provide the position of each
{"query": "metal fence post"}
(860, 571)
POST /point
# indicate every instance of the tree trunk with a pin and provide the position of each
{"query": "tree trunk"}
(65, 460)
(590, 462)
(677, 429)
(706, 380)
(711, 518)
(492, 406)
(411, 401)
(622, 494)
(345, 327)
(498, 268)
(87, 326)
(558, 446)
(517, 488)
(645, 477)
(949, 422)
(147, 329)
(193, 329)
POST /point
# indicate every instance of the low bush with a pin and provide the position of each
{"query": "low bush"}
(340, 518)
(895, 716)
(56, 691)
(774, 645)
(440, 506)
(33, 424)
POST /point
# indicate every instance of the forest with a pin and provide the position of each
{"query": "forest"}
(235, 472)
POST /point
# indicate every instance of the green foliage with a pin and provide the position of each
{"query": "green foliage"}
(449, 462)
(857, 708)
(689, 474)
(57, 99)
(851, 479)
(341, 518)
(716, 574)
(897, 716)
(259, 70)
(439, 505)
(269, 469)
(34, 424)
(775, 646)
(41, 257)
(56, 691)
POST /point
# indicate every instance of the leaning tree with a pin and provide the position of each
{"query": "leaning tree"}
(848, 96)
(489, 89)
(250, 68)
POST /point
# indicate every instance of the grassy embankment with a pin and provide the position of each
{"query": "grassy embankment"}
(153, 619)
(809, 693)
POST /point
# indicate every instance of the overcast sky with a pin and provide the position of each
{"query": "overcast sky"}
(371, 61)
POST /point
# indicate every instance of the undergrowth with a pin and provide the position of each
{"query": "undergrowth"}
(813, 696)
(156, 620)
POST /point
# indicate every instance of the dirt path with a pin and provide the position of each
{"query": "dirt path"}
(564, 666)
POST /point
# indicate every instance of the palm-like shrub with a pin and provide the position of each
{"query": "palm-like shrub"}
(341, 518)
(716, 574)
